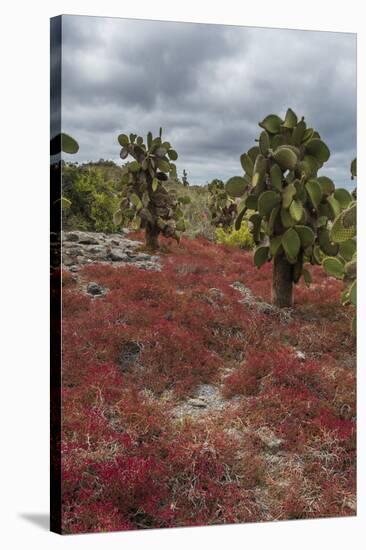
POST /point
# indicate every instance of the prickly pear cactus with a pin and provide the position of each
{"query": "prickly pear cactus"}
(290, 205)
(343, 232)
(145, 202)
(222, 207)
(185, 178)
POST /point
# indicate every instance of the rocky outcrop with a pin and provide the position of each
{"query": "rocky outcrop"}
(82, 248)
(207, 399)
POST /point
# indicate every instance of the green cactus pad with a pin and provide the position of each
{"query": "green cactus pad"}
(297, 271)
(247, 164)
(339, 233)
(272, 123)
(298, 133)
(308, 134)
(326, 185)
(259, 170)
(314, 191)
(275, 175)
(264, 143)
(296, 211)
(163, 165)
(318, 149)
(253, 153)
(317, 255)
(349, 217)
(123, 140)
(172, 154)
(285, 157)
(335, 207)
(275, 245)
(277, 140)
(309, 166)
(288, 194)
(307, 277)
(236, 186)
(351, 268)
(135, 199)
(333, 267)
(327, 246)
(291, 243)
(306, 234)
(239, 218)
(63, 143)
(256, 221)
(286, 218)
(354, 168)
(69, 144)
(272, 219)
(353, 293)
(267, 201)
(251, 202)
(290, 119)
(261, 255)
(347, 249)
(343, 197)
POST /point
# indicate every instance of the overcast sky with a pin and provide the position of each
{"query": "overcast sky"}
(208, 86)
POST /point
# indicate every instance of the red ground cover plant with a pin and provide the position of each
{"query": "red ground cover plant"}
(278, 440)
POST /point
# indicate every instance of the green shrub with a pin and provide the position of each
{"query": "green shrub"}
(241, 238)
(93, 199)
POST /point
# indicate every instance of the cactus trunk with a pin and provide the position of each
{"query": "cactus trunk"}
(282, 280)
(151, 237)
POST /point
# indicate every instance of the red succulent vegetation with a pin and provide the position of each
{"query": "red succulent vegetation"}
(132, 458)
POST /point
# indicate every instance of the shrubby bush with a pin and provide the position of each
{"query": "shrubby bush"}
(93, 199)
(241, 238)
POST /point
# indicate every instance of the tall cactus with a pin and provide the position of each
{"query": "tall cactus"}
(343, 232)
(185, 178)
(223, 208)
(145, 202)
(291, 205)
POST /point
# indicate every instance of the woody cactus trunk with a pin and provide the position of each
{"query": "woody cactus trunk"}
(290, 205)
(145, 202)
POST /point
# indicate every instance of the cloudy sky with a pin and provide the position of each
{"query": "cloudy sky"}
(208, 86)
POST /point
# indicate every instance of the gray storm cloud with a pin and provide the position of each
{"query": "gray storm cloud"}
(208, 86)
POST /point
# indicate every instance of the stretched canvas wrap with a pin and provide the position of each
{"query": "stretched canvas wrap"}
(203, 274)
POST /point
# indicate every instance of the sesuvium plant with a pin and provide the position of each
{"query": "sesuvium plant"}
(343, 233)
(145, 202)
(290, 206)
(222, 207)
